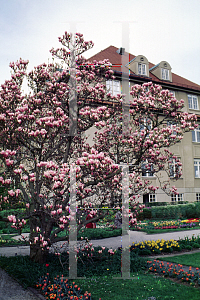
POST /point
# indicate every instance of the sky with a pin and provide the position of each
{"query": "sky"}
(158, 29)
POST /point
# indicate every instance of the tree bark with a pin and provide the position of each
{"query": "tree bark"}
(37, 254)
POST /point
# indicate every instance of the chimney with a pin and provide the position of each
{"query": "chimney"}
(121, 51)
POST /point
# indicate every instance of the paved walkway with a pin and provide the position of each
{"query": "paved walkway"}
(113, 242)
(11, 290)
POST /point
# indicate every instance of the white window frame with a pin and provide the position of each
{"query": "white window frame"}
(145, 171)
(197, 168)
(142, 70)
(193, 102)
(113, 87)
(196, 135)
(173, 165)
(165, 74)
(197, 197)
(152, 198)
(172, 92)
(176, 198)
(172, 126)
(146, 124)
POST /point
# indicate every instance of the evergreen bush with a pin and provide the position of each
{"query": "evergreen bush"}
(181, 211)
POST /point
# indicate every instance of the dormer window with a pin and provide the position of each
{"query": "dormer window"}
(142, 69)
(165, 74)
(139, 65)
(162, 71)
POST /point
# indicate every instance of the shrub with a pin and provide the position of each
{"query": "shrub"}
(190, 210)
(174, 271)
(146, 214)
(195, 245)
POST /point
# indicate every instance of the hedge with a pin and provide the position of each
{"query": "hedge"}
(179, 211)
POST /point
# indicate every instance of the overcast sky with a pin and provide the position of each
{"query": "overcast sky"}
(159, 29)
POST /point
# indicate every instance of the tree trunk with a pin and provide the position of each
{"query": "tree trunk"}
(37, 254)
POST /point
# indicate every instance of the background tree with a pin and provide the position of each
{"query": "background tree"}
(41, 141)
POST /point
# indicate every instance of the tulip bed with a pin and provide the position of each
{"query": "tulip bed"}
(165, 246)
(61, 289)
(155, 247)
(171, 225)
(174, 271)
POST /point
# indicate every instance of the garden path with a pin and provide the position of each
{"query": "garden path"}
(10, 289)
(113, 242)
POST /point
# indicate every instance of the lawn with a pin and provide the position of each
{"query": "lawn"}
(192, 259)
(7, 240)
(140, 286)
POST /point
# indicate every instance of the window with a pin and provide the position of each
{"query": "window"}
(196, 135)
(198, 197)
(145, 125)
(142, 69)
(192, 102)
(172, 126)
(174, 168)
(197, 168)
(147, 169)
(152, 198)
(173, 93)
(176, 198)
(113, 87)
(165, 74)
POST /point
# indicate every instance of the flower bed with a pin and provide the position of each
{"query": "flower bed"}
(155, 247)
(170, 225)
(191, 220)
(174, 271)
(61, 289)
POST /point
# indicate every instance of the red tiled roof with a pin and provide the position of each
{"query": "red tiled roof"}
(115, 59)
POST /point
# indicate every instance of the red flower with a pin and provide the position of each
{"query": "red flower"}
(47, 265)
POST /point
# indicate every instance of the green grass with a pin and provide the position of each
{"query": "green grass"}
(7, 240)
(140, 286)
(192, 259)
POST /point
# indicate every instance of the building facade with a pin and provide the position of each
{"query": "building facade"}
(140, 70)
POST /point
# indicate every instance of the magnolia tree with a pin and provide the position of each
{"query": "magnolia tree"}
(43, 141)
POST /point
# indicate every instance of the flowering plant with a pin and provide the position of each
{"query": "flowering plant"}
(61, 289)
(192, 220)
(44, 147)
(148, 247)
(175, 271)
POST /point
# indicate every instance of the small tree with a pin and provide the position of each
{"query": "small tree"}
(41, 140)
